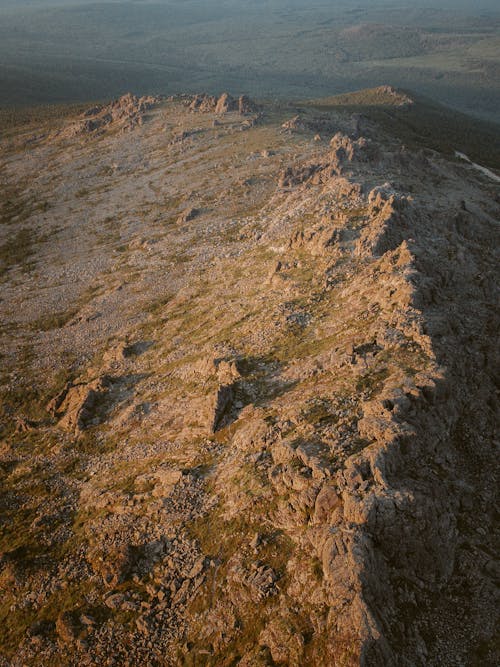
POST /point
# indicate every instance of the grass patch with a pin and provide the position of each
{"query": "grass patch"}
(156, 306)
(58, 320)
(18, 250)
(15, 622)
(319, 411)
(16, 208)
(372, 382)
(224, 539)
(55, 320)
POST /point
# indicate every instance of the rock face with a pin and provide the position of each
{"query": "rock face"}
(225, 103)
(344, 151)
(222, 403)
(391, 220)
(281, 446)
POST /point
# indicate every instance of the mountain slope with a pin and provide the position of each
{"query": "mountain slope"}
(420, 122)
(248, 391)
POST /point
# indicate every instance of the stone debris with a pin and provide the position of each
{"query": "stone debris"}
(260, 579)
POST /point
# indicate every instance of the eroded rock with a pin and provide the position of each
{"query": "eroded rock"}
(126, 113)
(79, 406)
(204, 103)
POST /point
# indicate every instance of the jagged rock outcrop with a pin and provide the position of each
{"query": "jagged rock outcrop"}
(390, 221)
(222, 402)
(315, 240)
(292, 176)
(246, 105)
(225, 103)
(220, 105)
(203, 103)
(125, 113)
(77, 406)
(344, 151)
(393, 534)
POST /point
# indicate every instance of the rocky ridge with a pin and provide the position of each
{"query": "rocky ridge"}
(276, 455)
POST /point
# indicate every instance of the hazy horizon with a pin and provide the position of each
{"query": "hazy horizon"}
(79, 50)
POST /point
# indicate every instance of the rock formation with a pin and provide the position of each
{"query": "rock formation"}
(76, 407)
(204, 103)
(125, 113)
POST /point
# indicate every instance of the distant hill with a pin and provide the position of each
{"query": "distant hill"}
(420, 121)
(57, 51)
(379, 96)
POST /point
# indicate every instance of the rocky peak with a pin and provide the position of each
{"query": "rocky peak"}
(125, 114)
(204, 103)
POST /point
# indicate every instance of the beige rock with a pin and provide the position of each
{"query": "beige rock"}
(78, 405)
(327, 501)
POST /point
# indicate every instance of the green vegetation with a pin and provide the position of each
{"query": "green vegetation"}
(19, 250)
(55, 320)
(372, 382)
(15, 119)
(15, 622)
(225, 539)
(318, 410)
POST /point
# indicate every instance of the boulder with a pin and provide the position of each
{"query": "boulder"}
(327, 501)
(79, 406)
(187, 215)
